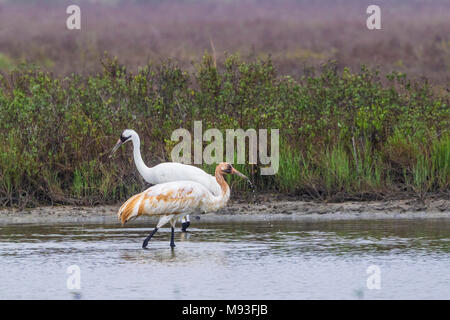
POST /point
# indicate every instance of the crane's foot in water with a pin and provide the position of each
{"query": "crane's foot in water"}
(185, 225)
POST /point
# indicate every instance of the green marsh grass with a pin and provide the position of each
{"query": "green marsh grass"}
(342, 134)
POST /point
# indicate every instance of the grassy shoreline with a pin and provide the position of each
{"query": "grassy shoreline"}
(343, 135)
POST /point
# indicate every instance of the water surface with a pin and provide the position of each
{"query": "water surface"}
(261, 260)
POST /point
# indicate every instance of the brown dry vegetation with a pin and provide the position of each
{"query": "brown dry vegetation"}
(414, 39)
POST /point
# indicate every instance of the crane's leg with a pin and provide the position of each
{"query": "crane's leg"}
(172, 235)
(146, 240)
(162, 221)
(172, 243)
(185, 223)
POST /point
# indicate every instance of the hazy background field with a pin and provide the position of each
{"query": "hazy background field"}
(415, 35)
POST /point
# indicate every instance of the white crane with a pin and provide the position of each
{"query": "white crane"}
(174, 200)
(167, 171)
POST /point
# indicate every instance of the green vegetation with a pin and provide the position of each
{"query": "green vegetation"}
(5, 62)
(343, 135)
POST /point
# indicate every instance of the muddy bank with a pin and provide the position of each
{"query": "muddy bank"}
(238, 211)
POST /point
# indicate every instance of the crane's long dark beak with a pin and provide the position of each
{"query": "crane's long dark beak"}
(234, 171)
(118, 144)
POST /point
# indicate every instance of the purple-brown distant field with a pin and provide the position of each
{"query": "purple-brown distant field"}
(415, 35)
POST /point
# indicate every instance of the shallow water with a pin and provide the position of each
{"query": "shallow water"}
(263, 260)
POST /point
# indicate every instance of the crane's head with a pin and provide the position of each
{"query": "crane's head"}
(226, 168)
(126, 136)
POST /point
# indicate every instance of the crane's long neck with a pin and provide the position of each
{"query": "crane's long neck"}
(222, 183)
(219, 201)
(140, 165)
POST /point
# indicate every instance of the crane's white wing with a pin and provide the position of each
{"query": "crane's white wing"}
(162, 199)
(174, 171)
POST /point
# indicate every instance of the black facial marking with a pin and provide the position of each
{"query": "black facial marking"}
(228, 169)
(123, 139)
